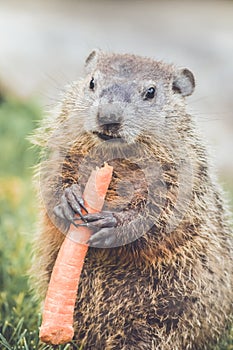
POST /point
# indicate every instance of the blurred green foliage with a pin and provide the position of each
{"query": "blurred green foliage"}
(17, 120)
(19, 312)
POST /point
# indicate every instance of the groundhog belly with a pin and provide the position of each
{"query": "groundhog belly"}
(121, 306)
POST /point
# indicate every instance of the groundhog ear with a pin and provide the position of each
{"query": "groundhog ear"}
(91, 60)
(184, 82)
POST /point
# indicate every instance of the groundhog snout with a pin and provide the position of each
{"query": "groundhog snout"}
(109, 117)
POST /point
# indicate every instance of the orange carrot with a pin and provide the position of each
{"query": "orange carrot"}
(57, 318)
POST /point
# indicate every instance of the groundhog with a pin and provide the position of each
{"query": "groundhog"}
(159, 270)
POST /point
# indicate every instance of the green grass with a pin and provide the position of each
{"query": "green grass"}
(19, 312)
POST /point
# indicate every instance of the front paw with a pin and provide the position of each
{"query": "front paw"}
(102, 225)
(70, 205)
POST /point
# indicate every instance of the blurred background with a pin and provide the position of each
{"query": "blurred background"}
(43, 45)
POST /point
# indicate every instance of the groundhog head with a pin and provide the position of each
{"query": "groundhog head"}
(127, 96)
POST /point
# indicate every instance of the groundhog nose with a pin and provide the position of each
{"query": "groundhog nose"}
(107, 116)
(108, 119)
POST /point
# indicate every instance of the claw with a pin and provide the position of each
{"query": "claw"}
(74, 203)
(83, 224)
(67, 210)
(81, 203)
(86, 224)
(78, 196)
(94, 216)
(78, 211)
(101, 220)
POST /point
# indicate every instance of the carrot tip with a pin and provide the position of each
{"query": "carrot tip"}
(56, 336)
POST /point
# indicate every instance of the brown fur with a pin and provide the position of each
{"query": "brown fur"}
(168, 289)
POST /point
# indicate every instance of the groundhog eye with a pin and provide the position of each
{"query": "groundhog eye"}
(92, 84)
(150, 93)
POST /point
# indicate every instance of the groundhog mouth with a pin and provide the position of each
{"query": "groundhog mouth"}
(106, 136)
(109, 132)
